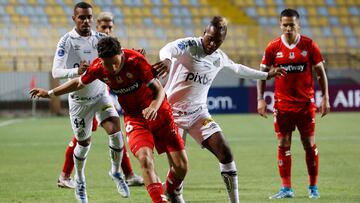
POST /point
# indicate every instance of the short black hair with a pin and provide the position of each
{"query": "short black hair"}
(82, 5)
(108, 47)
(289, 13)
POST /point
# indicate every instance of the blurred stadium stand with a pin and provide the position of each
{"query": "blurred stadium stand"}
(30, 29)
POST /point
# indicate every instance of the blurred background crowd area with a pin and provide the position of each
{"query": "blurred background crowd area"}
(30, 29)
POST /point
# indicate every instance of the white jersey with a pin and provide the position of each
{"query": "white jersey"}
(192, 72)
(71, 49)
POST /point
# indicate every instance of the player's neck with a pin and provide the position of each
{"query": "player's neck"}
(83, 34)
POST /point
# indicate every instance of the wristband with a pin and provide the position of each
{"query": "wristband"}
(51, 93)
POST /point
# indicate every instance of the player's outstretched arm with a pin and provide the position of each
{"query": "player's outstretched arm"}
(261, 84)
(323, 82)
(275, 72)
(70, 86)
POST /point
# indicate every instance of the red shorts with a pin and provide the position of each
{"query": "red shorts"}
(287, 116)
(161, 133)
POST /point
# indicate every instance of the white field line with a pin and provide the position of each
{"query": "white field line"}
(10, 122)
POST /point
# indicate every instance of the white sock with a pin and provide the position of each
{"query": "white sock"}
(116, 145)
(80, 154)
(229, 175)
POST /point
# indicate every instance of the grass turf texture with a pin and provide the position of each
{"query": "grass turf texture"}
(32, 153)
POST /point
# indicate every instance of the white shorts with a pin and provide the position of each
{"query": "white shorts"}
(82, 114)
(198, 123)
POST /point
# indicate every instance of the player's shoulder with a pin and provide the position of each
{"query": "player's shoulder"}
(64, 39)
(99, 35)
(306, 39)
(186, 42)
(275, 42)
(133, 56)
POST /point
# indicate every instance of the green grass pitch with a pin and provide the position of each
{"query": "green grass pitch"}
(32, 153)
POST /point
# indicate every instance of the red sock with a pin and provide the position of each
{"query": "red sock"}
(284, 165)
(156, 193)
(69, 162)
(312, 163)
(125, 163)
(172, 182)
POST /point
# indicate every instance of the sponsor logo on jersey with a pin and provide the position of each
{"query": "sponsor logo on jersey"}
(61, 52)
(87, 51)
(294, 68)
(278, 55)
(76, 47)
(196, 77)
(127, 90)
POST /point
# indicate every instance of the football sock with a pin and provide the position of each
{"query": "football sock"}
(172, 182)
(312, 163)
(80, 154)
(156, 193)
(229, 175)
(284, 165)
(125, 163)
(69, 159)
(116, 145)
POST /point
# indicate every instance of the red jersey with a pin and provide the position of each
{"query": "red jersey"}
(297, 59)
(130, 84)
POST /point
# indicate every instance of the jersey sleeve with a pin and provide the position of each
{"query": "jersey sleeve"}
(90, 74)
(316, 56)
(268, 56)
(59, 69)
(176, 48)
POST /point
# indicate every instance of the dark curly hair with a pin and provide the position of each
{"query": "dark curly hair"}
(289, 13)
(108, 47)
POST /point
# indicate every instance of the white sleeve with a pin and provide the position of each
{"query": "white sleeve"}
(243, 71)
(174, 48)
(59, 69)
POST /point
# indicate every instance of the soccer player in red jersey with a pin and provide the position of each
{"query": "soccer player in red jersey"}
(294, 97)
(147, 114)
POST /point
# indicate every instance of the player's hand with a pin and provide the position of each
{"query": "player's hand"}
(83, 66)
(149, 113)
(324, 106)
(162, 67)
(38, 93)
(275, 72)
(261, 108)
(140, 50)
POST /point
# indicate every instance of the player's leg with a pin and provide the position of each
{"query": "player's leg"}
(283, 127)
(131, 178)
(109, 120)
(218, 145)
(141, 143)
(64, 180)
(306, 127)
(209, 134)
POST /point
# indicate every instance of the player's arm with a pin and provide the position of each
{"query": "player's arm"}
(70, 86)
(260, 86)
(170, 50)
(150, 112)
(59, 69)
(323, 82)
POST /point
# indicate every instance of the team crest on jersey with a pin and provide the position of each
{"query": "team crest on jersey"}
(217, 62)
(76, 47)
(118, 79)
(291, 55)
(278, 55)
(61, 52)
(304, 53)
(129, 75)
(182, 45)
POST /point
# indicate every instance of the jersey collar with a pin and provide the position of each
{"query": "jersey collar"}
(74, 34)
(290, 46)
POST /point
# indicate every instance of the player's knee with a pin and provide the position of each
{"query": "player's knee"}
(85, 143)
(181, 167)
(145, 159)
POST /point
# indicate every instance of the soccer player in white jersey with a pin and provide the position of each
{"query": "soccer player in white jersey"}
(192, 64)
(75, 50)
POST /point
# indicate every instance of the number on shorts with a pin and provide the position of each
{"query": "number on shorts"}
(79, 122)
(128, 127)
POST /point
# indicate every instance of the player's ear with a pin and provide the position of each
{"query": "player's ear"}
(73, 18)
